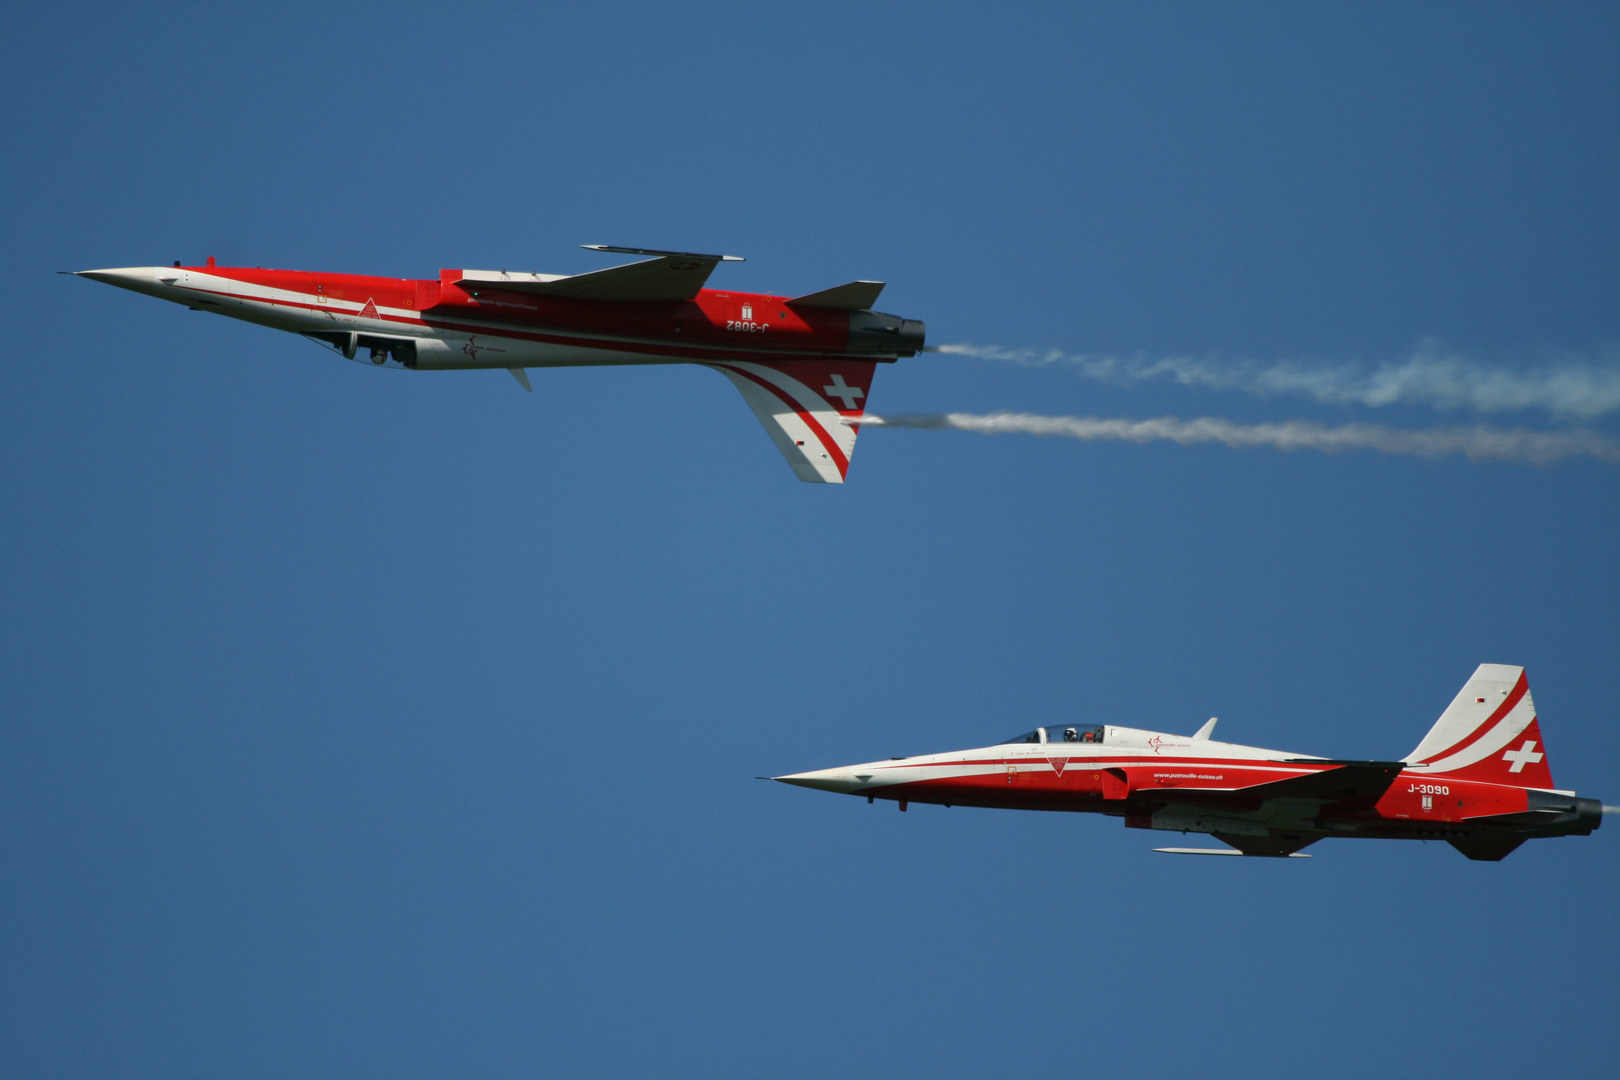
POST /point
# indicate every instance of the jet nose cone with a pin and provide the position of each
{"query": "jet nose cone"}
(840, 780)
(139, 278)
(141, 275)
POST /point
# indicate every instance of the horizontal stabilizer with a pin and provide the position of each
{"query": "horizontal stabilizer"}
(1487, 848)
(853, 296)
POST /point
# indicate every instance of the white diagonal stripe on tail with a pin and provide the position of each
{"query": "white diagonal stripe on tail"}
(802, 431)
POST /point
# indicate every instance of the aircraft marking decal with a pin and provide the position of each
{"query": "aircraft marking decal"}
(849, 395)
(1524, 755)
(472, 348)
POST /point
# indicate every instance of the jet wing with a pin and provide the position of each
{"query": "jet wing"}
(674, 275)
(1361, 782)
(1351, 781)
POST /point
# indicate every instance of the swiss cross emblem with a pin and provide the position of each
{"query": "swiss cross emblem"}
(1524, 755)
(849, 395)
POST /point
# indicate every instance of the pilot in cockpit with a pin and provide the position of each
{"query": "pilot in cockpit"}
(1071, 735)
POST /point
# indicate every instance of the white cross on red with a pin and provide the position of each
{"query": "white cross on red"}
(849, 395)
(1524, 755)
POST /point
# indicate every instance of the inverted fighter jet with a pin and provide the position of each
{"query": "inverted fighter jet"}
(1479, 780)
(804, 364)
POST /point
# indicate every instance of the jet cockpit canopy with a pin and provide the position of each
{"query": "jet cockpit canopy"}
(1064, 733)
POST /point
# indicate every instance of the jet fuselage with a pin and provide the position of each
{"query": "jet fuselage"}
(1479, 781)
(804, 364)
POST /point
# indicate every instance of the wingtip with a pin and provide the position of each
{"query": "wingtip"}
(661, 253)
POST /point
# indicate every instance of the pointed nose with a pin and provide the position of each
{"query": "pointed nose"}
(142, 279)
(128, 275)
(845, 781)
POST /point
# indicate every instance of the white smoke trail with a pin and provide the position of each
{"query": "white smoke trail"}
(1478, 443)
(1607, 809)
(1431, 375)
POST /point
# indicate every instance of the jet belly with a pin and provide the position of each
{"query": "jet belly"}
(443, 350)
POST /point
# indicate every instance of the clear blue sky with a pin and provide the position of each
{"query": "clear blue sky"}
(363, 723)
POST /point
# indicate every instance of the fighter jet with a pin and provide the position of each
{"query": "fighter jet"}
(1479, 780)
(804, 363)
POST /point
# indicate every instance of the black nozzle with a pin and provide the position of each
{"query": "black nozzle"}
(1589, 813)
(912, 336)
(875, 332)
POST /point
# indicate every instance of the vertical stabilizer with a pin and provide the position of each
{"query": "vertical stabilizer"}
(805, 407)
(1489, 732)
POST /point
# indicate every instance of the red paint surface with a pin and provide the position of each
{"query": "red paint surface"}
(681, 330)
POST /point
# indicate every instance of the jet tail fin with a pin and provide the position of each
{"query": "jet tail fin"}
(1489, 732)
(810, 409)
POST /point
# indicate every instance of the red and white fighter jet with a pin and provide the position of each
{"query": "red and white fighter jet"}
(804, 364)
(1479, 781)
